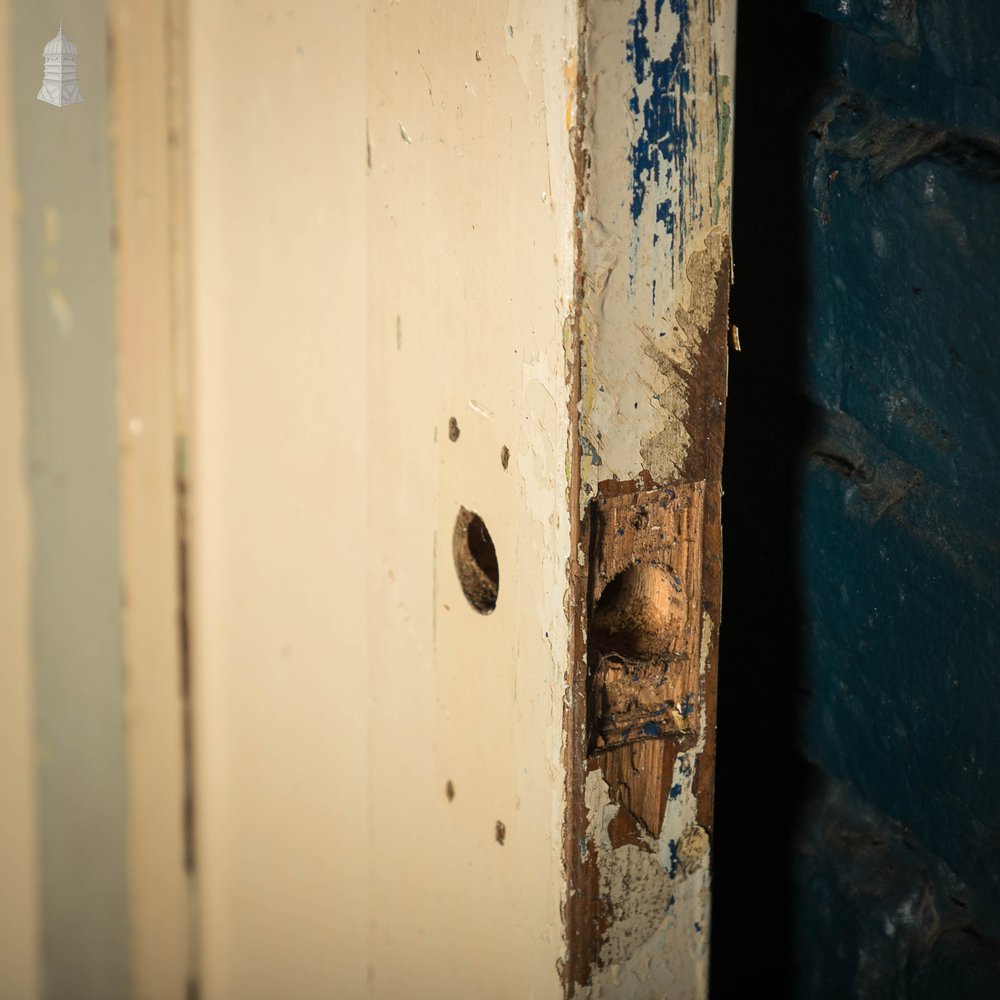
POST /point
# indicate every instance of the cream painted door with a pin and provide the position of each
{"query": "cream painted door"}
(450, 259)
(382, 260)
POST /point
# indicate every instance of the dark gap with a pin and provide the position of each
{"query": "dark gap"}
(760, 775)
(481, 547)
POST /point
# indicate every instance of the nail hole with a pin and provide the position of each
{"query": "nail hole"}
(504, 456)
(476, 561)
(640, 614)
(501, 833)
(453, 430)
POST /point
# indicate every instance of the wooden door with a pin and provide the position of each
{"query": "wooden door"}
(480, 265)
(422, 328)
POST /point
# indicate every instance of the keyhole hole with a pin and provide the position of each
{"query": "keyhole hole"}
(476, 561)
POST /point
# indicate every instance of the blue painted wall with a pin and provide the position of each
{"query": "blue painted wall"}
(872, 367)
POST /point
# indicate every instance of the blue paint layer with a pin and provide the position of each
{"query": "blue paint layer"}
(674, 860)
(663, 134)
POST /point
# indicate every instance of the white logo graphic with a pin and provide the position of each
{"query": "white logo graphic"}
(60, 85)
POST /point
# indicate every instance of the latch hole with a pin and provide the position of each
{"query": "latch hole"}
(640, 614)
(476, 561)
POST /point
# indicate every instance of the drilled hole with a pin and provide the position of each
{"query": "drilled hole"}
(640, 614)
(476, 561)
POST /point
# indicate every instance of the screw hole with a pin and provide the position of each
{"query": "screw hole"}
(476, 561)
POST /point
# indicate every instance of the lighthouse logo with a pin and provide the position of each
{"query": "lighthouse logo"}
(60, 85)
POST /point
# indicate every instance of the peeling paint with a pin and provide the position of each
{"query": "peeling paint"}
(666, 68)
(655, 277)
(658, 893)
(660, 147)
(483, 411)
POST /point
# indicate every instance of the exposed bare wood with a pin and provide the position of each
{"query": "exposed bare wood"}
(639, 776)
(644, 607)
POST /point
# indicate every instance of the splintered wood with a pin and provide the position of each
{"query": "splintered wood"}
(644, 613)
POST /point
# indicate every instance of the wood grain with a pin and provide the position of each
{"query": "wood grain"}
(644, 614)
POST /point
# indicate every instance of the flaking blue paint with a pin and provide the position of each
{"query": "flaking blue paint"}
(662, 135)
(589, 451)
(674, 860)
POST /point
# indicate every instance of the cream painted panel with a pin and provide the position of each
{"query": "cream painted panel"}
(325, 489)
(149, 222)
(277, 474)
(19, 945)
(470, 253)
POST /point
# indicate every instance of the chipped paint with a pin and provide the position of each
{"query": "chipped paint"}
(659, 891)
(483, 411)
(655, 274)
(637, 241)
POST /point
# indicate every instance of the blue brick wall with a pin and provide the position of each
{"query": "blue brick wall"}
(874, 320)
